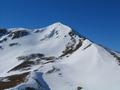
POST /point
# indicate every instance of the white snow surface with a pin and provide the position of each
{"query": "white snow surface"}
(91, 66)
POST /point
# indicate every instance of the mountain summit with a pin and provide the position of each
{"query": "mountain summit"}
(55, 58)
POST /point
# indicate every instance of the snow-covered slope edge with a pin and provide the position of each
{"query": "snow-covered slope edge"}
(55, 58)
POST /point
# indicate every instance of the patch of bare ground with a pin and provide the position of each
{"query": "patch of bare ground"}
(23, 66)
(13, 80)
(73, 47)
(32, 60)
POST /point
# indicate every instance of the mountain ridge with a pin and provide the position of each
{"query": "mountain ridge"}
(33, 59)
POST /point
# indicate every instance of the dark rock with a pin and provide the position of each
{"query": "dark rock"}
(71, 46)
(71, 33)
(3, 40)
(31, 56)
(48, 58)
(79, 88)
(87, 46)
(38, 31)
(18, 34)
(23, 66)
(75, 33)
(54, 69)
(71, 49)
(1, 47)
(54, 32)
(13, 44)
(3, 32)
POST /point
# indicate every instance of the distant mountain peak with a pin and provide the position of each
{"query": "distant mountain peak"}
(59, 26)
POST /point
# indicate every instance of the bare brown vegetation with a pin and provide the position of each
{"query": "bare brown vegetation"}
(12, 81)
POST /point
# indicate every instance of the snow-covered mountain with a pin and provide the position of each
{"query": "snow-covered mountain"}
(55, 58)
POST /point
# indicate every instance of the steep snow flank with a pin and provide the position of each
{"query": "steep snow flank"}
(95, 71)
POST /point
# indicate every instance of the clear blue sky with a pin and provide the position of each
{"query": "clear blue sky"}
(98, 20)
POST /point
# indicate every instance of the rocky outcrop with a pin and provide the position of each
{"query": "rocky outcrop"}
(3, 32)
(18, 33)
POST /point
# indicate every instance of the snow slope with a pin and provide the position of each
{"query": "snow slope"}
(55, 58)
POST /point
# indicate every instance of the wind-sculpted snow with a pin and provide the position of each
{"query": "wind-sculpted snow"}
(55, 57)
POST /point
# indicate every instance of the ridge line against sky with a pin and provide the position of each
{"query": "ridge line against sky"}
(98, 20)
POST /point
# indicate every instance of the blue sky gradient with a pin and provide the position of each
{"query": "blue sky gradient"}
(99, 20)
